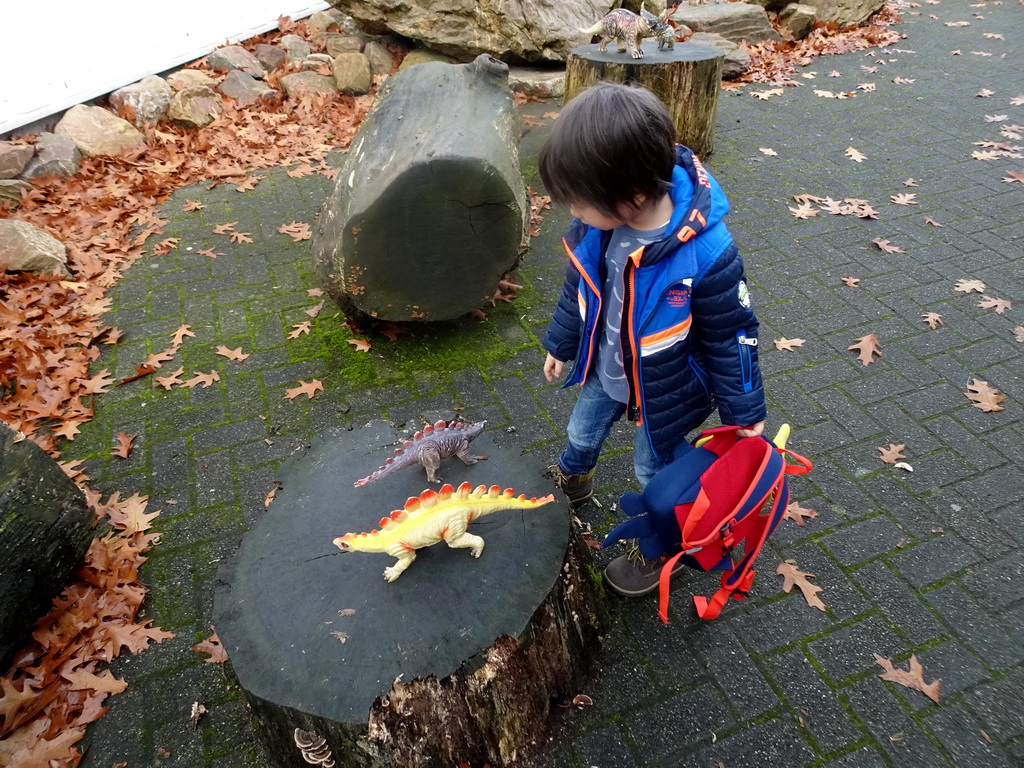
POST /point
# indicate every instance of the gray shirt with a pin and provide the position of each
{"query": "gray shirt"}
(609, 364)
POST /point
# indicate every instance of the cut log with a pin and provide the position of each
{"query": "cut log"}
(459, 660)
(686, 77)
(45, 529)
(430, 207)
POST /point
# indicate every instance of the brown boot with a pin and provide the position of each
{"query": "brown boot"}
(579, 489)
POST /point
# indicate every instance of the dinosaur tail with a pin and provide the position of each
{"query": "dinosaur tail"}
(597, 29)
(400, 460)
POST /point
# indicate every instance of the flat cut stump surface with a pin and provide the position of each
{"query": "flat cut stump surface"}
(282, 607)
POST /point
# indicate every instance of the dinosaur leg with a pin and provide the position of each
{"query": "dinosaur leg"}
(621, 43)
(405, 558)
(635, 50)
(431, 461)
(466, 540)
(602, 44)
(467, 458)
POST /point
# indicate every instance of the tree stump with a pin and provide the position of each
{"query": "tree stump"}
(430, 207)
(45, 529)
(458, 660)
(686, 77)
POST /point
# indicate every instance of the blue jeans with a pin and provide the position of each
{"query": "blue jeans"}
(589, 426)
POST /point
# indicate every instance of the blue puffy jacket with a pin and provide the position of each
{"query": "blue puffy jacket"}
(686, 318)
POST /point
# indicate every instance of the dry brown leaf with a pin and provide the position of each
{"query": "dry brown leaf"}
(98, 384)
(798, 514)
(305, 388)
(913, 679)
(768, 151)
(298, 330)
(793, 576)
(910, 182)
(764, 95)
(231, 354)
(315, 292)
(297, 231)
(193, 205)
(904, 80)
(241, 237)
(179, 335)
(999, 305)
(124, 445)
(805, 211)
(934, 319)
(855, 154)
(213, 647)
(269, 498)
(893, 453)
(867, 346)
(1018, 333)
(314, 311)
(983, 396)
(169, 381)
(966, 286)
(985, 93)
(225, 229)
(930, 220)
(209, 252)
(361, 345)
(852, 282)
(886, 246)
(1014, 176)
(788, 344)
(904, 199)
(202, 379)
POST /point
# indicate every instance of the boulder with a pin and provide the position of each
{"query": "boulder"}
(232, 57)
(379, 57)
(352, 73)
(244, 88)
(14, 158)
(430, 208)
(45, 529)
(463, 29)
(187, 78)
(845, 13)
(737, 59)
(97, 131)
(195, 107)
(733, 21)
(423, 56)
(320, 22)
(314, 61)
(144, 102)
(270, 56)
(11, 189)
(23, 248)
(798, 18)
(55, 156)
(308, 82)
(541, 83)
(339, 44)
(296, 49)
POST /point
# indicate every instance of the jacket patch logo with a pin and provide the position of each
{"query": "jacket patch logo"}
(678, 297)
(743, 294)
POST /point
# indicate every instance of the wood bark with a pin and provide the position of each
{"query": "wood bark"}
(459, 660)
(687, 78)
(45, 529)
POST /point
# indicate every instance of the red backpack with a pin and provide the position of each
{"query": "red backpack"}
(720, 491)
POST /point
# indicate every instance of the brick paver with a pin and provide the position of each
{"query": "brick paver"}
(918, 563)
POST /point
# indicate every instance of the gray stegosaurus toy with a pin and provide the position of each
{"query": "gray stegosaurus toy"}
(429, 448)
(628, 29)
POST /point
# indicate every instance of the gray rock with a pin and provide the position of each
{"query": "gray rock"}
(423, 56)
(296, 49)
(235, 57)
(316, 60)
(23, 248)
(339, 44)
(270, 56)
(379, 57)
(737, 59)
(798, 19)
(542, 83)
(845, 13)
(463, 29)
(321, 21)
(187, 78)
(244, 88)
(352, 73)
(308, 82)
(97, 131)
(733, 21)
(771, 5)
(46, 530)
(14, 158)
(11, 189)
(144, 102)
(195, 107)
(55, 156)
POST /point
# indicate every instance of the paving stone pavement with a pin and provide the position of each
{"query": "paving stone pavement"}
(924, 563)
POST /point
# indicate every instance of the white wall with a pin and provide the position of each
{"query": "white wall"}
(63, 52)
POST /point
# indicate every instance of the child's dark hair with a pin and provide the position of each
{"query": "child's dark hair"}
(610, 144)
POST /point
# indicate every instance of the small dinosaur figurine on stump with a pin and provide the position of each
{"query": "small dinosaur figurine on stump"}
(628, 29)
(435, 516)
(429, 448)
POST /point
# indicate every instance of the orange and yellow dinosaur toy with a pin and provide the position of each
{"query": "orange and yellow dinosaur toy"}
(435, 516)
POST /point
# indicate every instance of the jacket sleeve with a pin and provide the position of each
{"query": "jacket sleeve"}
(725, 333)
(562, 338)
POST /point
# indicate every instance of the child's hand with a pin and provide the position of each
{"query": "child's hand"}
(553, 369)
(752, 431)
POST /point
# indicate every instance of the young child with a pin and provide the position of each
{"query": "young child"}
(654, 310)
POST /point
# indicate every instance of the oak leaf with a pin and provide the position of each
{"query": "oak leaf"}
(98, 384)
(1017, 101)
(203, 379)
(764, 95)
(852, 282)
(157, 359)
(315, 292)
(299, 329)
(913, 679)
(1014, 176)
(213, 647)
(934, 319)
(985, 93)
(996, 118)
(69, 428)
(209, 252)
(305, 388)
(966, 286)
(904, 199)
(297, 231)
(314, 311)
(805, 211)
(793, 576)
(983, 396)
(179, 335)
(904, 80)
(271, 494)
(165, 246)
(798, 514)
(361, 345)
(855, 154)
(86, 679)
(1018, 333)
(13, 700)
(193, 205)
(224, 229)
(169, 381)
(999, 305)
(788, 345)
(910, 182)
(231, 354)
(867, 346)
(893, 453)
(886, 246)
(241, 237)
(768, 151)
(124, 445)
(930, 220)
